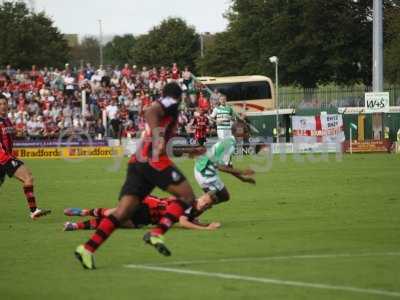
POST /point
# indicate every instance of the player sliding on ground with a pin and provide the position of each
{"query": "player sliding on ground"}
(13, 167)
(149, 167)
(219, 158)
(150, 212)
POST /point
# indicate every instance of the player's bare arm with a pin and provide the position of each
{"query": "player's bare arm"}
(185, 223)
(242, 175)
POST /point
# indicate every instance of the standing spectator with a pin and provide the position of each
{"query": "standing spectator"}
(89, 72)
(175, 75)
(101, 72)
(69, 83)
(126, 71)
(187, 77)
(112, 117)
(67, 116)
(99, 130)
(203, 103)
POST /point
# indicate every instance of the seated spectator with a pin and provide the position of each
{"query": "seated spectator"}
(129, 130)
(33, 108)
(51, 130)
(35, 127)
(20, 131)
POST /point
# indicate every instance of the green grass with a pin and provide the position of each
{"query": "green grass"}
(311, 208)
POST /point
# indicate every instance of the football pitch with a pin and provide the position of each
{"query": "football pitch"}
(307, 230)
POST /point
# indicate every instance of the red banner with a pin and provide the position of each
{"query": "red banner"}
(368, 146)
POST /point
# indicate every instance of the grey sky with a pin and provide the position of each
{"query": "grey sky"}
(132, 16)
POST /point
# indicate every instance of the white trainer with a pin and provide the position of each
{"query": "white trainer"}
(39, 213)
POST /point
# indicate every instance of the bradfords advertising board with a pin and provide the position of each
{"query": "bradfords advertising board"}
(318, 129)
(377, 102)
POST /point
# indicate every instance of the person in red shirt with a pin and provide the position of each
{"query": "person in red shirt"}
(13, 167)
(175, 73)
(21, 102)
(39, 82)
(150, 212)
(203, 103)
(129, 130)
(201, 125)
(148, 168)
(126, 71)
(163, 74)
(145, 100)
(20, 130)
(153, 75)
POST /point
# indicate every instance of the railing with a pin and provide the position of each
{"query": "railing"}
(330, 97)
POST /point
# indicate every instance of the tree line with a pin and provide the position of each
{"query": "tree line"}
(317, 42)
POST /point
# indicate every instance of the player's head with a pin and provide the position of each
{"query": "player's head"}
(172, 90)
(222, 100)
(240, 130)
(3, 105)
(204, 202)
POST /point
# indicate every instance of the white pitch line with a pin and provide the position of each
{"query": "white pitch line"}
(266, 258)
(269, 280)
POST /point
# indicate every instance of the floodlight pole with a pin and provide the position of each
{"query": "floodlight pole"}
(101, 42)
(377, 51)
(201, 45)
(275, 60)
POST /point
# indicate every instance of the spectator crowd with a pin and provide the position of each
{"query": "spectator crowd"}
(46, 103)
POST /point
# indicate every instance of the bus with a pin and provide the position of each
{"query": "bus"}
(253, 93)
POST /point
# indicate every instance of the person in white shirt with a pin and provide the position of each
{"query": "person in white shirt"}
(112, 117)
(69, 83)
(101, 72)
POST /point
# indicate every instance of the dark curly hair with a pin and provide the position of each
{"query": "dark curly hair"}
(172, 90)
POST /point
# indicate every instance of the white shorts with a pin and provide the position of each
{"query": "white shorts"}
(213, 183)
(224, 133)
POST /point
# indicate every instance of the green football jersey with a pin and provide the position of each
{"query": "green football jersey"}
(224, 116)
(219, 154)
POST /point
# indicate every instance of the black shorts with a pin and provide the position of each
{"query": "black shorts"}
(9, 168)
(141, 216)
(142, 178)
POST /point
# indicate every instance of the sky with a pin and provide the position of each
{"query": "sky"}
(131, 16)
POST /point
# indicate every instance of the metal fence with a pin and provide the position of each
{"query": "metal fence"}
(330, 97)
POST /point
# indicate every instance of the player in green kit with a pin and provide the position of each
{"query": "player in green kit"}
(224, 116)
(218, 158)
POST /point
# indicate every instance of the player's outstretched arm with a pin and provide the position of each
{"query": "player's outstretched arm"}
(242, 175)
(185, 223)
(191, 151)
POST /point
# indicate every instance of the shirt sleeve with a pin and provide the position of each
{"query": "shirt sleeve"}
(4, 156)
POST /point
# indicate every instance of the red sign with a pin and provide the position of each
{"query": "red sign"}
(368, 146)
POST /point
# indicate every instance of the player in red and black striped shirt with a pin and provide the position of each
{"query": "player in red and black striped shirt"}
(150, 212)
(13, 167)
(201, 125)
(150, 167)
